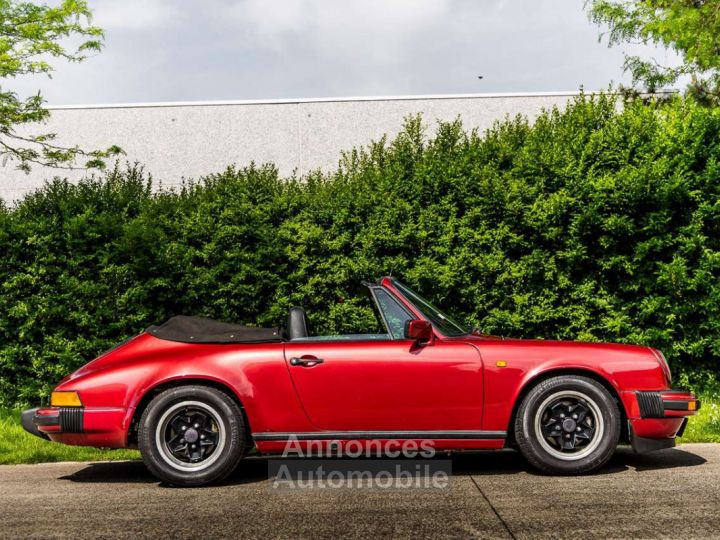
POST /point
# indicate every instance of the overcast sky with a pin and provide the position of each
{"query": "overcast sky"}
(182, 50)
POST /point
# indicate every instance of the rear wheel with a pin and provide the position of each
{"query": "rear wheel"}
(192, 435)
(568, 425)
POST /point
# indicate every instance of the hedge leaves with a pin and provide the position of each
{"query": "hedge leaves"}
(595, 223)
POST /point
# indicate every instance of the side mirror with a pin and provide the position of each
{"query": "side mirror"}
(418, 330)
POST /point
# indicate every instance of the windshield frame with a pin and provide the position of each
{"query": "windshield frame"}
(382, 315)
(427, 311)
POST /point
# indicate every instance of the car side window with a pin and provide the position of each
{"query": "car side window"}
(394, 315)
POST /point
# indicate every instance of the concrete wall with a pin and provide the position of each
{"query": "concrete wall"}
(188, 140)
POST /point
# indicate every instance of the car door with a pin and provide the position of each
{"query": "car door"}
(391, 384)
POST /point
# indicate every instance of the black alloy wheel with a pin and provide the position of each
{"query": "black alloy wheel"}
(568, 424)
(192, 435)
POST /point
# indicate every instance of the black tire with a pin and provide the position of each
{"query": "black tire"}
(582, 419)
(192, 418)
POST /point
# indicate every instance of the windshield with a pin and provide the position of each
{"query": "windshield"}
(442, 322)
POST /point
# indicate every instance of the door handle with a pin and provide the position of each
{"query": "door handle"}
(306, 362)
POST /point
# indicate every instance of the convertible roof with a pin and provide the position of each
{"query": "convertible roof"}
(201, 330)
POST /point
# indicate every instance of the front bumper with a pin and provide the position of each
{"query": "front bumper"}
(667, 404)
(656, 418)
(105, 427)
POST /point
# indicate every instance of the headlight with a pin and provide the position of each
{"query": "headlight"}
(663, 364)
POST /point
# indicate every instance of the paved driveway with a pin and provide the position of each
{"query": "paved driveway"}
(674, 493)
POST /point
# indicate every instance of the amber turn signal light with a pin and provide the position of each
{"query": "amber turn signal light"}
(692, 405)
(65, 399)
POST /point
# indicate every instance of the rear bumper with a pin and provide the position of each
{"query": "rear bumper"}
(28, 425)
(656, 418)
(80, 426)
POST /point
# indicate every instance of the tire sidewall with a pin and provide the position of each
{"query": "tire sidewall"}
(232, 450)
(528, 439)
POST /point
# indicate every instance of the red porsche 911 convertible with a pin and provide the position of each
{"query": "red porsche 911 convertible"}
(196, 394)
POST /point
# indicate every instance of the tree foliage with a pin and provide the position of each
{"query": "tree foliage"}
(689, 27)
(31, 35)
(590, 224)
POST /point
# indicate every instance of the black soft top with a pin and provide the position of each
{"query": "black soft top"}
(202, 330)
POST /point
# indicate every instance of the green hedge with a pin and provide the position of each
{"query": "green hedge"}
(596, 223)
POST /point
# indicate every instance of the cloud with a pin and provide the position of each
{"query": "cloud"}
(136, 14)
(343, 27)
(174, 50)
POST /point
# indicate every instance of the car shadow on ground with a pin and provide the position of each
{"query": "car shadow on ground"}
(512, 462)
(255, 469)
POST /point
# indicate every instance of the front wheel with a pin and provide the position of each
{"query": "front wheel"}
(568, 425)
(192, 435)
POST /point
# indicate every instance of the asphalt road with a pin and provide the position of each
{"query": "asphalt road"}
(674, 493)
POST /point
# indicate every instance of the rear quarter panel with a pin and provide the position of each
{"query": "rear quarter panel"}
(256, 374)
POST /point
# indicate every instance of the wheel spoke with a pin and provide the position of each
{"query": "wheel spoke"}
(182, 450)
(209, 437)
(175, 440)
(568, 443)
(198, 419)
(178, 423)
(581, 410)
(178, 448)
(558, 408)
(551, 429)
(196, 454)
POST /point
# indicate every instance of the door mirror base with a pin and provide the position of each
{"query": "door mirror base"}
(419, 331)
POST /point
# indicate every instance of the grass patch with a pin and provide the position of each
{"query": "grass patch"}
(705, 426)
(18, 446)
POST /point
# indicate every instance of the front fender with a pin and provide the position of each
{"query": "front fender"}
(511, 368)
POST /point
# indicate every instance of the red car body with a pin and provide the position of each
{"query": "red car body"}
(458, 392)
